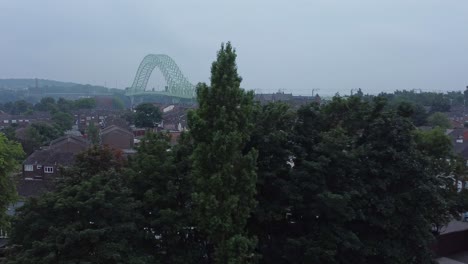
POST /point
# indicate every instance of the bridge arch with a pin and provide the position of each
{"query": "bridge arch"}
(178, 85)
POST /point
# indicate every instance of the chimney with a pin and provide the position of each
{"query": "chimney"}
(465, 135)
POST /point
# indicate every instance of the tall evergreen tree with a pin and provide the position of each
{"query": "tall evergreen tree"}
(223, 170)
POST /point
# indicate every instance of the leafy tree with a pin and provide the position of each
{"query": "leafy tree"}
(147, 115)
(349, 203)
(444, 164)
(223, 171)
(465, 95)
(416, 112)
(129, 116)
(439, 119)
(40, 134)
(419, 116)
(89, 219)
(359, 93)
(46, 104)
(64, 105)
(17, 107)
(84, 103)
(88, 222)
(440, 103)
(117, 103)
(95, 160)
(21, 107)
(272, 137)
(10, 153)
(64, 121)
(93, 133)
(161, 180)
(10, 132)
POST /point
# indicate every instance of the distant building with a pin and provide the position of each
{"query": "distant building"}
(117, 137)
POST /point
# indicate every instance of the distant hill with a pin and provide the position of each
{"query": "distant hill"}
(17, 84)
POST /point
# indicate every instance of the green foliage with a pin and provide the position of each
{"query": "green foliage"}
(147, 115)
(272, 137)
(91, 218)
(117, 103)
(438, 119)
(351, 181)
(84, 103)
(10, 132)
(10, 153)
(47, 104)
(224, 174)
(161, 180)
(359, 187)
(96, 160)
(64, 105)
(88, 222)
(40, 134)
(64, 121)
(93, 133)
(444, 165)
(129, 116)
(17, 107)
(435, 143)
(440, 104)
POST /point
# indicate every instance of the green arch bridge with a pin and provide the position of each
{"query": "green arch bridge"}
(177, 84)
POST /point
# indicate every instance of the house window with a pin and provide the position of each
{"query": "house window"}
(39, 166)
(28, 167)
(48, 169)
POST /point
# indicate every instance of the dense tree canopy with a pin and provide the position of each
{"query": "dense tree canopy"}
(64, 121)
(350, 181)
(439, 119)
(91, 218)
(10, 153)
(147, 115)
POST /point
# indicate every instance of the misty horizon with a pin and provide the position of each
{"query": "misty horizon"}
(294, 47)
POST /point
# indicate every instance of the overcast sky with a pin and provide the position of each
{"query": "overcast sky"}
(295, 46)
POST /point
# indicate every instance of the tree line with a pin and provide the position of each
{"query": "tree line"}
(349, 181)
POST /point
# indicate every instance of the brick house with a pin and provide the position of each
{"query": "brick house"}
(117, 137)
(22, 120)
(43, 166)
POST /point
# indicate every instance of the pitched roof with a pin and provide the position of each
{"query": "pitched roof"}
(68, 138)
(112, 128)
(51, 156)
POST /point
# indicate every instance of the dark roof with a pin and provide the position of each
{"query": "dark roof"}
(112, 128)
(116, 121)
(69, 138)
(51, 156)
